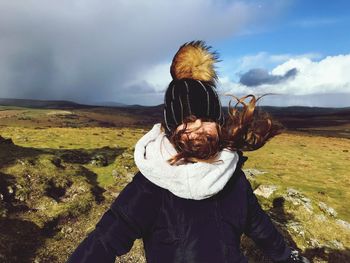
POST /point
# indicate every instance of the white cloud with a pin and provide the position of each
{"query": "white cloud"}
(315, 80)
(262, 59)
(331, 74)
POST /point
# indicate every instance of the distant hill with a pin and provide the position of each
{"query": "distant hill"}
(280, 111)
(30, 103)
(316, 120)
(65, 104)
(304, 110)
(109, 104)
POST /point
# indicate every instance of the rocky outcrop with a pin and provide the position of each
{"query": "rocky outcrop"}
(300, 218)
(252, 172)
(298, 199)
(343, 223)
(327, 210)
(265, 190)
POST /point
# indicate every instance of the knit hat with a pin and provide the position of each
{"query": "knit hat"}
(193, 88)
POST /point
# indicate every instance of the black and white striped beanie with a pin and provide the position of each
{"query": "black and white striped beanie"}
(187, 97)
(192, 90)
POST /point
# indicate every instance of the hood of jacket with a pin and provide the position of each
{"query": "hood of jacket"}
(191, 180)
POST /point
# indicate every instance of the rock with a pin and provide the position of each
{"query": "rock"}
(296, 227)
(327, 210)
(10, 190)
(127, 155)
(298, 198)
(320, 217)
(66, 230)
(129, 177)
(314, 243)
(21, 162)
(343, 223)
(69, 230)
(294, 193)
(115, 173)
(335, 244)
(82, 189)
(253, 172)
(99, 160)
(265, 190)
(112, 193)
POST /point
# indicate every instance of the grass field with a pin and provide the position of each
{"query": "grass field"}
(54, 193)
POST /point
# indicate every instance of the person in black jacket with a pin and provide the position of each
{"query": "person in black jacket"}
(190, 201)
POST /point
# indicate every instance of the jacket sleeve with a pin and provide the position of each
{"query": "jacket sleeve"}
(130, 217)
(260, 228)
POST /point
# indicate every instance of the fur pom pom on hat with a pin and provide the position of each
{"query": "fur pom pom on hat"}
(193, 88)
(194, 60)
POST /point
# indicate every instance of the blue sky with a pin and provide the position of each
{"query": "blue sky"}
(303, 27)
(120, 51)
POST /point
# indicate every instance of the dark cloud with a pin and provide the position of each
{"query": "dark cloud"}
(256, 77)
(90, 50)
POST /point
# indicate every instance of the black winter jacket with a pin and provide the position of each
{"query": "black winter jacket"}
(181, 230)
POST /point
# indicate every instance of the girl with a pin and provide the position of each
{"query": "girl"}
(190, 202)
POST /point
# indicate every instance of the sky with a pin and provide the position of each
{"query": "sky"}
(91, 51)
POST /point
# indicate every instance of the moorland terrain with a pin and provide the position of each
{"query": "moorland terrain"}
(62, 164)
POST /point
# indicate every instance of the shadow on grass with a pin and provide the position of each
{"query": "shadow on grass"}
(96, 190)
(11, 154)
(19, 240)
(278, 213)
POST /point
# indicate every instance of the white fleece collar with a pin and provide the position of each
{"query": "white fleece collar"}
(191, 180)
